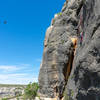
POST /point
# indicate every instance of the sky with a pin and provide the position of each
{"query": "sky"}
(21, 39)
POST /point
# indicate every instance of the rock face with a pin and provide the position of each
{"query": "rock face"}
(65, 67)
(84, 81)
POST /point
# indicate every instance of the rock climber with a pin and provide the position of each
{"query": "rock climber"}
(81, 38)
(80, 26)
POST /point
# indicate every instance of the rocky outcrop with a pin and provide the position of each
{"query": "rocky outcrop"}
(7, 91)
(65, 66)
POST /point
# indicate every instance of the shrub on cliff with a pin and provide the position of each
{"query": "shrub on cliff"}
(30, 91)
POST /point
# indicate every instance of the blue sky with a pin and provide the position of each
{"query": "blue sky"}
(21, 39)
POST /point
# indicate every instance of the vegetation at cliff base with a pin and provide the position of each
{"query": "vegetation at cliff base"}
(30, 91)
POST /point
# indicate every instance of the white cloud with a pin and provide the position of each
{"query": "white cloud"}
(8, 68)
(17, 74)
(39, 60)
(16, 78)
(25, 65)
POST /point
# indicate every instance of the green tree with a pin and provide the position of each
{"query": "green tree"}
(30, 91)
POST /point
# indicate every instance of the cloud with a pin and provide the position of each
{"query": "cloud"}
(18, 78)
(18, 74)
(6, 76)
(12, 68)
(8, 68)
(25, 65)
(39, 60)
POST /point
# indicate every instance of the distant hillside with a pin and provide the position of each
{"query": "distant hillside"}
(11, 90)
(12, 85)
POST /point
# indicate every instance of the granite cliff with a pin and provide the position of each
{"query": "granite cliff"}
(70, 67)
